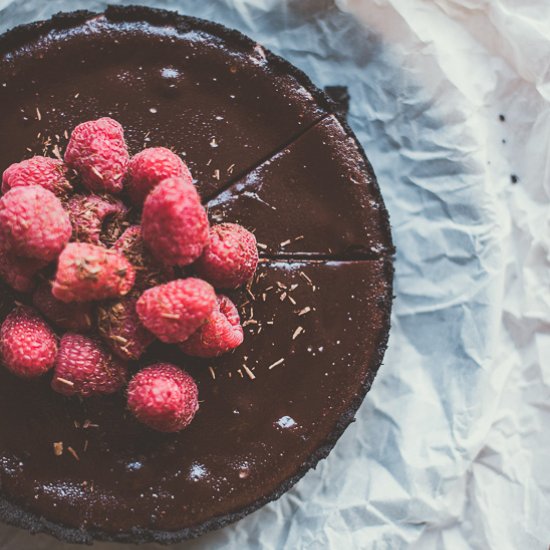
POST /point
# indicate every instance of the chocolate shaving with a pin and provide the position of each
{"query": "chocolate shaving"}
(58, 448)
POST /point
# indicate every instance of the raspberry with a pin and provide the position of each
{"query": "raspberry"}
(174, 223)
(84, 367)
(221, 333)
(120, 327)
(51, 174)
(33, 223)
(173, 311)
(163, 397)
(149, 272)
(230, 258)
(19, 272)
(75, 316)
(27, 343)
(90, 214)
(87, 272)
(98, 152)
(149, 168)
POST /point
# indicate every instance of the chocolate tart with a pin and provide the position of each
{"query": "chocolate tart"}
(268, 150)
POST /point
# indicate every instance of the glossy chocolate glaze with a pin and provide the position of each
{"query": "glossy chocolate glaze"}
(221, 103)
(167, 78)
(316, 197)
(249, 436)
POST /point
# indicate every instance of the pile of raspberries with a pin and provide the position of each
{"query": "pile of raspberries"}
(107, 277)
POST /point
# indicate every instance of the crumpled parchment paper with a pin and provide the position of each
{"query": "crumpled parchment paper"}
(451, 449)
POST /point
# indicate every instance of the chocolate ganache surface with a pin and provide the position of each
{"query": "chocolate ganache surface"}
(267, 151)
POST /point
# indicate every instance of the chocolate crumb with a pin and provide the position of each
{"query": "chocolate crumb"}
(340, 96)
(502, 118)
(514, 178)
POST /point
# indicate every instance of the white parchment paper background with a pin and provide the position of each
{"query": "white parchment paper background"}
(451, 449)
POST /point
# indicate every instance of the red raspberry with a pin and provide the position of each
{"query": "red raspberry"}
(174, 223)
(19, 272)
(84, 367)
(98, 152)
(51, 174)
(230, 258)
(221, 333)
(92, 215)
(87, 272)
(173, 311)
(27, 343)
(163, 397)
(120, 327)
(74, 316)
(149, 168)
(33, 223)
(149, 272)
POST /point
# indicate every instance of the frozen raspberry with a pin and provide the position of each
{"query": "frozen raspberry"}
(19, 273)
(174, 223)
(87, 272)
(51, 174)
(163, 397)
(96, 216)
(75, 316)
(230, 258)
(149, 168)
(27, 343)
(173, 311)
(84, 367)
(221, 333)
(149, 272)
(121, 329)
(33, 223)
(98, 152)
